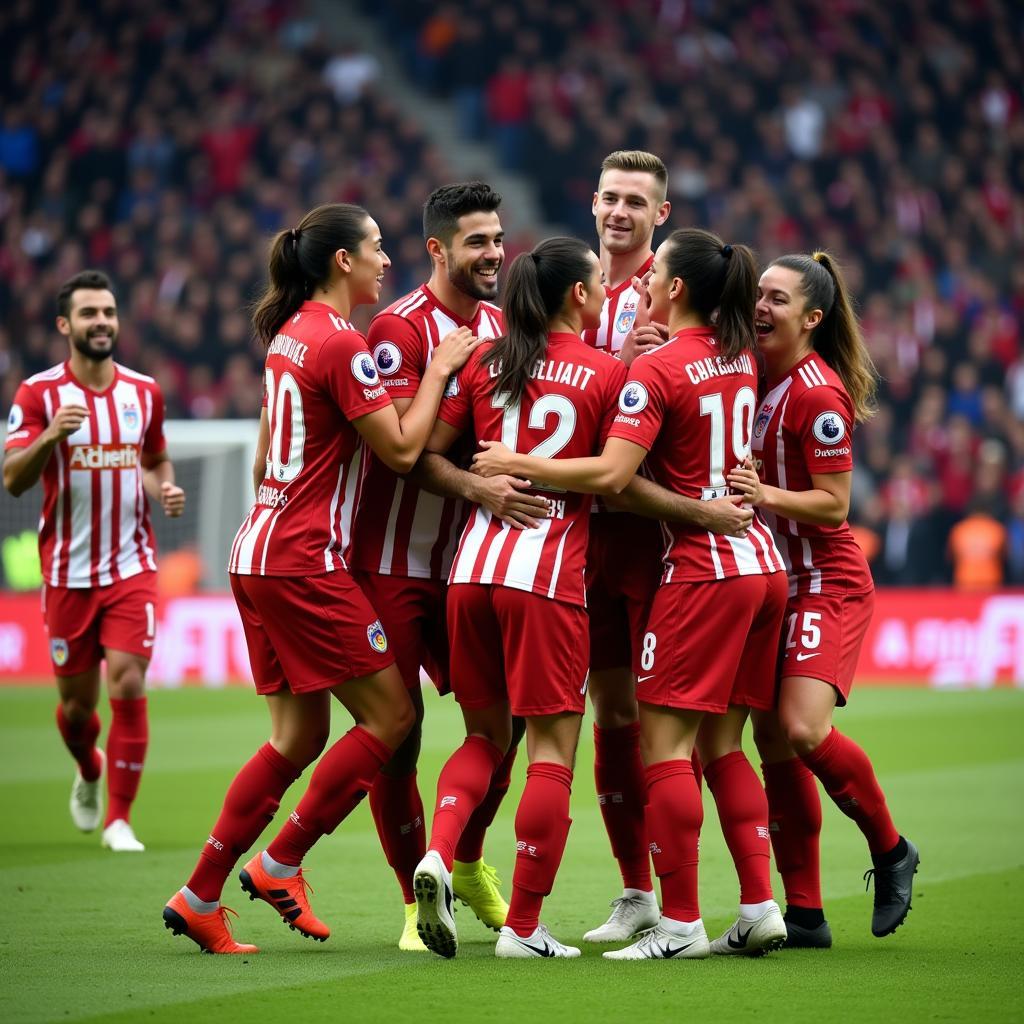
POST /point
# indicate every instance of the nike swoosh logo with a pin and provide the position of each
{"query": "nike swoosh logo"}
(669, 952)
(741, 938)
(544, 950)
(147, 643)
(803, 655)
(643, 679)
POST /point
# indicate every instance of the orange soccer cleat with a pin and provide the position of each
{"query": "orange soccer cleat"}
(286, 895)
(211, 932)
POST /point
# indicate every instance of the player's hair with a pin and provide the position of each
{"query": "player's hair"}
(717, 277)
(535, 288)
(94, 279)
(838, 338)
(301, 257)
(445, 205)
(638, 160)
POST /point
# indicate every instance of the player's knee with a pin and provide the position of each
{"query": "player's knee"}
(77, 711)
(803, 734)
(128, 682)
(404, 759)
(767, 733)
(399, 724)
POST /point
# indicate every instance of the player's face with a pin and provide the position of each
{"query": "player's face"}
(91, 325)
(476, 254)
(595, 298)
(369, 262)
(781, 317)
(627, 207)
(659, 284)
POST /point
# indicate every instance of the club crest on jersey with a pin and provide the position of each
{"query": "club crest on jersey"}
(15, 419)
(633, 398)
(763, 418)
(829, 428)
(625, 318)
(59, 651)
(130, 417)
(375, 634)
(364, 369)
(388, 358)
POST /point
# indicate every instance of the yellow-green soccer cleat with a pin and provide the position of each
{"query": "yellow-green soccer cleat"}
(410, 942)
(477, 886)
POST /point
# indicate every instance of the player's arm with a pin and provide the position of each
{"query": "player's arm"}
(724, 516)
(259, 464)
(826, 503)
(24, 466)
(158, 483)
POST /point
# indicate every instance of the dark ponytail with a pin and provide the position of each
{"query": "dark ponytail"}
(838, 338)
(300, 258)
(717, 277)
(535, 288)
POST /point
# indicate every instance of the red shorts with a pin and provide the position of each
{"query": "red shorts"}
(412, 612)
(513, 645)
(822, 637)
(713, 643)
(623, 570)
(307, 633)
(84, 622)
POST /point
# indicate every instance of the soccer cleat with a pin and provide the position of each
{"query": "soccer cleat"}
(119, 837)
(87, 798)
(541, 943)
(435, 905)
(799, 937)
(410, 942)
(630, 916)
(659, 943)
(286, 895)
(477, 886)
(211, 932)
(753, 938)
(893, 888)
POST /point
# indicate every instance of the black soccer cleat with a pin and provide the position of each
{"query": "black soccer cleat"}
(894, 885)
(799, 937)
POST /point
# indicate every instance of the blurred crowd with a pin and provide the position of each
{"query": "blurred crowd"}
(166, 141)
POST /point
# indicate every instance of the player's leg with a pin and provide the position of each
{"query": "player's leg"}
(126, 746)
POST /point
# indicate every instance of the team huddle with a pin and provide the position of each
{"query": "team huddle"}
(640, 464)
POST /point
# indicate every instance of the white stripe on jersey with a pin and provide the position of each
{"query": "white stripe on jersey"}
(558, 564)
(780, 458)
(266, 540)
(236, 543)
(104, 435)
(527, 550)
(746, 556)
(815, 371)
(53, 373)
(352, 483)
(333, 540)
(805, 549)
(494, 553)
(719, 571)
(247, 548)
(81, 482)
(413, 302)
(387, 553)
(469, 551)
(423, 533)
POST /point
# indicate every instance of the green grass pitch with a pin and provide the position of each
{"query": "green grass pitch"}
(81, 936)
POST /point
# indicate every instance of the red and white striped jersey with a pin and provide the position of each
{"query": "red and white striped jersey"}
(95, 526)
(694, 414)
(319, 377)
(399, 529)
(618, 315)
(564, 413)
(805, 425)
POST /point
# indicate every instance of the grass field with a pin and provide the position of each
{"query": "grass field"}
(82, 939)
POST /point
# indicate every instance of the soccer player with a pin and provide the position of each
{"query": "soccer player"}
(517, 615)
(404, 537)
(707, 655)
(310, 631)
(820, 382)
(94, 431)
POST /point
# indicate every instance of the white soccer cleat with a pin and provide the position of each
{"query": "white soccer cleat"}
(630, 916)
(87, 798)
(541, 943)
(661, 944)
(435, 905)
(753, 938)
(119, 837)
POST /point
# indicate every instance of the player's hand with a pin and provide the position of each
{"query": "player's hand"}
(745, 482)
(645, 338)
(503, 497)
(172, 499)
(727, 516)
(455, 348)
(494, 460)
(66, 420)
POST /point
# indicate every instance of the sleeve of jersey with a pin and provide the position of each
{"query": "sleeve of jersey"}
(397, 350)
(824, 426)
(456, 407)
(155, 442)
(27, 419)
(350, 376)
(617, 375)
(641, 406)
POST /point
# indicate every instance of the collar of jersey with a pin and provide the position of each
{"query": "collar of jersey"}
(639, 272)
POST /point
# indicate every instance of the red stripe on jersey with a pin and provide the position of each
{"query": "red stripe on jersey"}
(115, 493)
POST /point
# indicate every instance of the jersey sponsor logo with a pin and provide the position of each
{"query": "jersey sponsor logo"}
(625, 318)
(15, 419)
(829, 428)
(103, 456)
(130, 417)
(375, 634)
(364, 369)
(370, 393)
(633, 398)
(59, 651)
(388, 358)
(826, 452)
(763, 418)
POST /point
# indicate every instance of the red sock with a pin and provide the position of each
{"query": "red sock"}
(398, 814)
(622, 794)
(794, 821)
(461, 789)
(345, 774)
(126, 753)
(249, 806)
(470, 847)
(674, 818)
(80, 739)
(846, 773)
(542, 827)
(743, 814)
